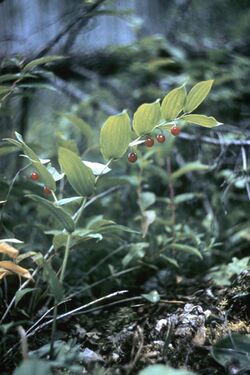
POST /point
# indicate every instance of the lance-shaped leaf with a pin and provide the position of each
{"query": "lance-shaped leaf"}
(115, 136)
(197, 94)
(80, 177)
(41, 61)
(81, 125)
(202, 120)
(59, 214)
(44, 174)
(14, 268)
(54, 283)
(186, 249)
(189, 167)
(8, 250)
(173, 103)
(146, 117)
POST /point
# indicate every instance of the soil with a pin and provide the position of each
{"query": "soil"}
(178, 331)
(130, 332)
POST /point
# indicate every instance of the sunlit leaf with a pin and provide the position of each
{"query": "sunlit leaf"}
(80, 177)
(173, 103)
(146, 118)
(61, 216)
(115, 136)
(207, 122)
(97, 168)
(197, 94)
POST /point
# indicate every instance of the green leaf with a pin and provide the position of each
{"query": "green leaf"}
(173, 103)
(164, 370)
(61, 216)
(233, 349)
(185, 197)
(80, 177)
(136, 251)
(33, 366)
(97, 168)
(45, 176)
(186, 248)
(50, 276)
(21, 293)
(41, 61)
(152, 297)
(66, 201)
(172, 261)
(115, 136)
(146, 118)
(81, 125)
(146, 199)
(15, 77)
(5, 89)
(197, 94)
(206, 121)
(189, 167)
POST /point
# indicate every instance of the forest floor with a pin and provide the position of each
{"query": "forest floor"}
(130, 333)
(179, 330)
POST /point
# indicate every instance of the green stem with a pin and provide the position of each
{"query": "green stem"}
(65, 259)
(78, 213)
(64, 266)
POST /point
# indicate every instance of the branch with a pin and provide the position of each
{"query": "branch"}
(85, 14)
(215, 141)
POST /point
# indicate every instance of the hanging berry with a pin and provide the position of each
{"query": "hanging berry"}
(175, 130)
(160, 138)
(132, 157)
(149, 142)
(34, 176)
(47, 190)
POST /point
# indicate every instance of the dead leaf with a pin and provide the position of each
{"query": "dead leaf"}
(10, 266)
(8, 250)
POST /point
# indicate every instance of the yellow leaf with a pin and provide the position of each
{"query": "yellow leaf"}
(10, 266)
(4, 273)
(8, 250)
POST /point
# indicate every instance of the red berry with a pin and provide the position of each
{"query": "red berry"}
(46, 190)
(149, 142)
(132, 157)
(175, 130)
(34, 176)
(160, 138)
